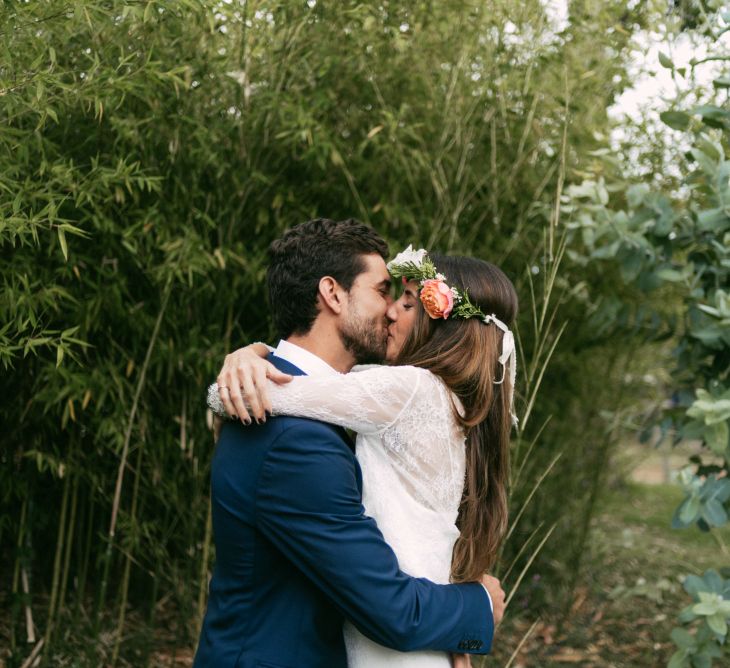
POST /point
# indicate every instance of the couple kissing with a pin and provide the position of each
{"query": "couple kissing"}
(336, 553)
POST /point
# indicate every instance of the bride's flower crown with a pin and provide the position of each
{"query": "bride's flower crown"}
(440, 300)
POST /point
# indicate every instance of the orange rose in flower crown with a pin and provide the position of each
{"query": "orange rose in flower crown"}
(437, 298)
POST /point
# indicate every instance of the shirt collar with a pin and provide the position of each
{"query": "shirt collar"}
(303, 359)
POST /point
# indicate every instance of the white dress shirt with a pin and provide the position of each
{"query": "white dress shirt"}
(303, 359)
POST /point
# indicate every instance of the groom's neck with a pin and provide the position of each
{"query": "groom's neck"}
(325, 343)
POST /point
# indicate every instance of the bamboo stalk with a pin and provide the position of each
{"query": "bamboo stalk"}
(532, 558)
(69, 543)
(85, 552)
(534, 489)
(151, 619)
(29, 626)
(30, 661)
(56, 569)
(16, 570)
(520, 459)
(555, 218)
(203, 585)
(523, 640)
(598, 471)
(125, 447)
(128, 564)
(505, 575)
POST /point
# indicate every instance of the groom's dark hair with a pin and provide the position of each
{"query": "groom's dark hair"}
(305, 254)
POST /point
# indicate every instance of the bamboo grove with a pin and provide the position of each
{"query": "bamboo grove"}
(150, 153)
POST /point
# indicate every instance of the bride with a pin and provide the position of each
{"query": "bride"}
(432, 428)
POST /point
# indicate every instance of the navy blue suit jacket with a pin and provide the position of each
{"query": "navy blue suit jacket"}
(295, 555)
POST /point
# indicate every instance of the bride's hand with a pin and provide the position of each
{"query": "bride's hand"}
(461, 660)
(242, 382)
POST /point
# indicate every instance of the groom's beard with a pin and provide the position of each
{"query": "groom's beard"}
(365, 339)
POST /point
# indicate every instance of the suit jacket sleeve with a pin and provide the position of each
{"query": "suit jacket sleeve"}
(308, 504)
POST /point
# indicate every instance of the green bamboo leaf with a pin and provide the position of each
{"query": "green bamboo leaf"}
(62, 241)
(148, 12)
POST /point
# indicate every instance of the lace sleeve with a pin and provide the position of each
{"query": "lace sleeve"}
(367, 402)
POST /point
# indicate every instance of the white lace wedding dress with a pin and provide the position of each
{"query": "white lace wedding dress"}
(411, 450)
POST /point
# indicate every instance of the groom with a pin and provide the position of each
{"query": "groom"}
(295, 554)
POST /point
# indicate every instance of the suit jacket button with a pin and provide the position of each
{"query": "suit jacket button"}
(463, 645)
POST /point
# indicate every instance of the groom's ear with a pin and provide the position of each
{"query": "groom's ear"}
(332, 294)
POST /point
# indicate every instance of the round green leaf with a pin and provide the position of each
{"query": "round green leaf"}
(677, 120)
(665, 61)
(717, 623)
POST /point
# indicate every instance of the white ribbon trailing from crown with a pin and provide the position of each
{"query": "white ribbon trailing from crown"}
(508, 356)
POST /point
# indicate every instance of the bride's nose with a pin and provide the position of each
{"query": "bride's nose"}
(392, 312)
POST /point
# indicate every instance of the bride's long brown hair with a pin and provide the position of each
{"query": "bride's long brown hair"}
(465, 355)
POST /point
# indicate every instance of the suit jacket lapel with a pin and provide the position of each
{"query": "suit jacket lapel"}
(288, 367)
